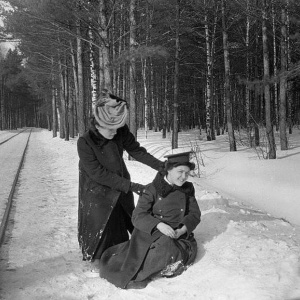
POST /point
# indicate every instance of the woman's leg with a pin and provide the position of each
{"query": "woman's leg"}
(168, 257)
(161, 253)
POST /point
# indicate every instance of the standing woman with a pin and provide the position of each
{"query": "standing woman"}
(162, 242)
(106, 200)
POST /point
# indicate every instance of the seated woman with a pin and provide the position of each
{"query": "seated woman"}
(162, 242)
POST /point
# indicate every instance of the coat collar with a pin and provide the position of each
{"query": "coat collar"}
(163, 188)
(95, 136)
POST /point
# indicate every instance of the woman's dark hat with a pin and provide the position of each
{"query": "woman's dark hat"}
(181, 159)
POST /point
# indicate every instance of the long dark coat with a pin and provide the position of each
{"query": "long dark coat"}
(104, 184)
(160, 203)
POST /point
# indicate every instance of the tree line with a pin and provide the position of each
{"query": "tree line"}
(218, 65)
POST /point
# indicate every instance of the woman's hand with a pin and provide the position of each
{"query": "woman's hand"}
(137, 188)
(166, 230)
(179, 232)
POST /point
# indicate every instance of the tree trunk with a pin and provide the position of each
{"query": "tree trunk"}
(214, 116)
(275, 68)
(74, 98)
(176, 80)
(62, 102)
(120, 68)
(208, 80)
(93, 70)
(166, 105)
(232, 143)
(2, 104)
(289, 82)
(132, 70)
(67, 99)
(80, 104)
(105, 78)
(247, 92)
(71, 112)
(145, 90)
(282, 116)
(153, 97)
(48, 122)
(54, 116)
(269, 127)
(256, 93)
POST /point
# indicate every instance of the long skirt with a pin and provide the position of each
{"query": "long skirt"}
(167, 258)
(115, 231)
(145, 256)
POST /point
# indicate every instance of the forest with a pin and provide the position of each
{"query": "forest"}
(217, 65)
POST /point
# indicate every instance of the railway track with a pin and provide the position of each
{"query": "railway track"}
(16, 170)
(9, 138)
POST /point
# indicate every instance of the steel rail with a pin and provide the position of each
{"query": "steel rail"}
(11, 194)
(12, 137)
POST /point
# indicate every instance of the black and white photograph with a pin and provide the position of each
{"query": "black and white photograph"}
(149, 149)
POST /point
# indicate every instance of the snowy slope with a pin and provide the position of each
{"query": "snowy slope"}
(243, 253)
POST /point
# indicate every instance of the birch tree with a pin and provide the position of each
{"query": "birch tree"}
(165, 103)
(145, 96)
(132, 69)
(208, 76)
(232, 143)
(176, 79)
(93, 70)
(104, 59)
(275, 66)
(247, 92)
(80, 96)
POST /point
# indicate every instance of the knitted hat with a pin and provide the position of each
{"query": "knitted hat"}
(110, 111)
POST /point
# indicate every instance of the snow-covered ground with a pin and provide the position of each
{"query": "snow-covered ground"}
(243, 252)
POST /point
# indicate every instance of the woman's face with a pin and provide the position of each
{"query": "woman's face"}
(178, 175)
(107, 133)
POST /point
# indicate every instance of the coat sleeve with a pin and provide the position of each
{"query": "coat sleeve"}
(90, 164)
(142, 217)
(138, 152)
(193, 213)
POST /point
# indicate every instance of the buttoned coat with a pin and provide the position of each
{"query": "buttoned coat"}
(104, 180)
(175, 206)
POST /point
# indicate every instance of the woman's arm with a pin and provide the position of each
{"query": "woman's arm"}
(137, 151)
(193, 214)
(142, 217)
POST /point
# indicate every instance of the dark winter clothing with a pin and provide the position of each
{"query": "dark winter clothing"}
(105, 200)
(149, 252)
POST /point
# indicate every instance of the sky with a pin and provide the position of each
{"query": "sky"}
(248, 238)
(5, 46)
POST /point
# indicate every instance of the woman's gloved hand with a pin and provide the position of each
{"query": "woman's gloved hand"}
(137, 188)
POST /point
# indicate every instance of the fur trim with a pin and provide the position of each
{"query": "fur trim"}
(163, 188)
